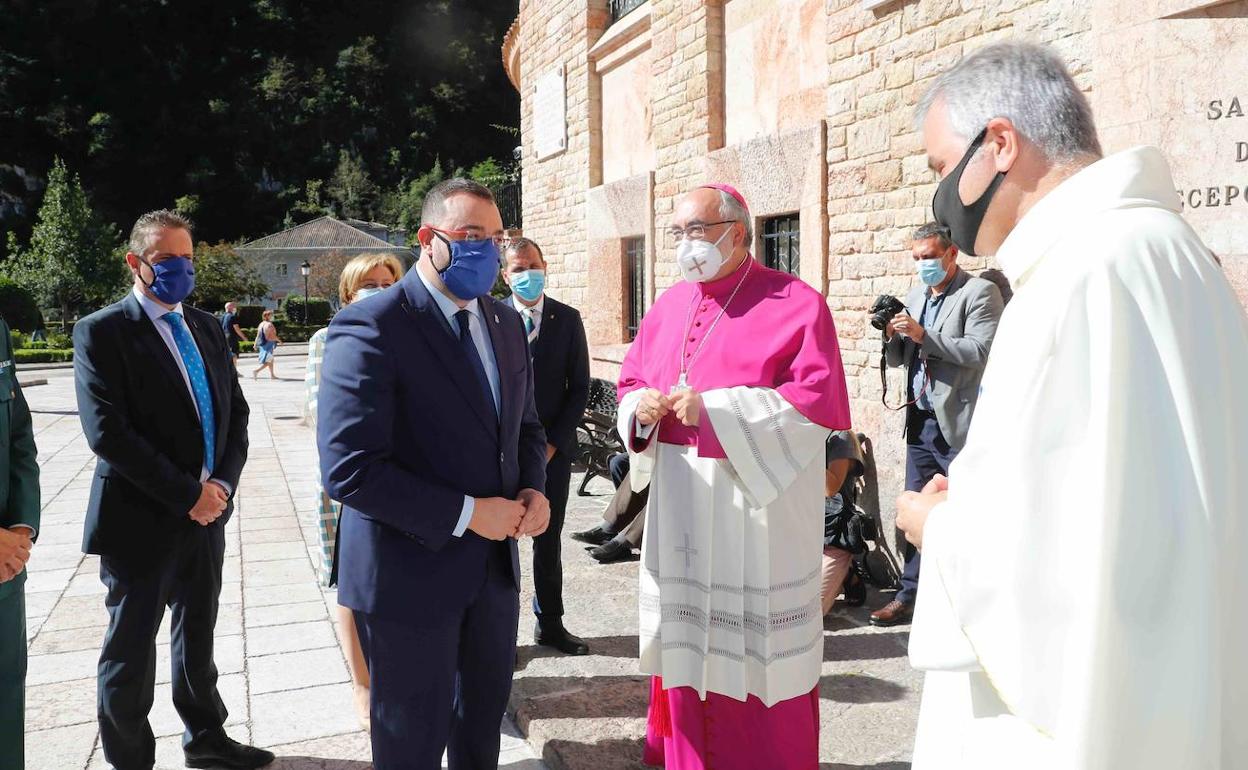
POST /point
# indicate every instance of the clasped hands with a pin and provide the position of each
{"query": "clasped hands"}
(913, 508)
(211, 503)
(15, 545)
(685, 403)
(497, 518)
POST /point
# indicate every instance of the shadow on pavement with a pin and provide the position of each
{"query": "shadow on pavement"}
(613, 754)
(609, 646)
(584, 697)
(859, 688)
(317, 763)
(877, 646)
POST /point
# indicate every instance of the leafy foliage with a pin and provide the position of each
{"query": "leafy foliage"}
(18, 307)
(318, 310)
(272, 109)
(221, 276)
(73, 260)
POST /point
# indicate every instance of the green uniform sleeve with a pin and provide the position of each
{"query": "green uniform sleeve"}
(23, 503)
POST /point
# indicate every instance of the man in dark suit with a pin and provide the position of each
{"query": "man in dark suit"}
(429, 437)
(163, 412)
(942, 339)
(19, 525)
(560, 354)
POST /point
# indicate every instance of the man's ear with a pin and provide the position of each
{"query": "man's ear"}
(424, 236)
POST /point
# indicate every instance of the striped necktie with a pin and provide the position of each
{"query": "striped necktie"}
(530, 328)
(195, 372)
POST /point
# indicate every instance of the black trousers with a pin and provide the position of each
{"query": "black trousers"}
(186, 578)
(547, 547)
(443, 687)
(927, 453)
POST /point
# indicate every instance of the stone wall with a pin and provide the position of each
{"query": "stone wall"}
(850, 162)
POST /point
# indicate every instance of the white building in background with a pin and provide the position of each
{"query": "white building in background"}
(278, 257)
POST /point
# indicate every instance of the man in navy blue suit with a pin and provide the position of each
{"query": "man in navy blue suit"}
(429, 437)
(561, 389)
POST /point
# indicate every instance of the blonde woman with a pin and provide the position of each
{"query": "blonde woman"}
(266, 345)
(364, 276)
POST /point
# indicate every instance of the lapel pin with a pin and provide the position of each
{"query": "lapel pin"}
(496, 318)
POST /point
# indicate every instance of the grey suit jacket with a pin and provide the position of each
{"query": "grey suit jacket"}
(956, 346)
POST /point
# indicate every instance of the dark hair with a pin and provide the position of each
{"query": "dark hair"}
(934, 230)
(517, 244)
(435, 200)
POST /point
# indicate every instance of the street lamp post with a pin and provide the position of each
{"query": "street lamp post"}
(306, 269)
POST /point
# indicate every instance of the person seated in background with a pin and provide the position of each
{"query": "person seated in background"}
(624, 520)
(843, 467)
(362, 277)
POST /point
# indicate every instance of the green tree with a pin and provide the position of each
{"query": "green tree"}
(71, 261)
(222, 275)
(351, 189)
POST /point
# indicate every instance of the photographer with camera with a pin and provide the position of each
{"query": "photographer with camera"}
(942, 335)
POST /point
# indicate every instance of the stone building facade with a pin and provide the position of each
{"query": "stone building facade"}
(806, 106)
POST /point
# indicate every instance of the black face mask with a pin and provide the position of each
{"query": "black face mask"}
(962, 220)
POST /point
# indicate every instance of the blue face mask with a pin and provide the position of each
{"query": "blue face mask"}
(174, 279)
(529, 285)
(473, 268)
(932, 271)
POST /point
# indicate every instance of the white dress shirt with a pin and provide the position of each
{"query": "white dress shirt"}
(536, 310)
(481, 339)
(154, 313)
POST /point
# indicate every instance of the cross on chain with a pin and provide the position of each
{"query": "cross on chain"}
(688, 550)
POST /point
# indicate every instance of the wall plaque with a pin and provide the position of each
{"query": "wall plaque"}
(550, 114)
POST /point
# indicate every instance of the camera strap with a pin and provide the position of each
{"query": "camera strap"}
(927, 381)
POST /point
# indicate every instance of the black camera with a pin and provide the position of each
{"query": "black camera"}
(886, 306)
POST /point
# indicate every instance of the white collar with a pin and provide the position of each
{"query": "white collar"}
(1136, 177)
(153, 310)
(445, 303)
(521, 307)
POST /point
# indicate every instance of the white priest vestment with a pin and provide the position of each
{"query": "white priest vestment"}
(1084, 588)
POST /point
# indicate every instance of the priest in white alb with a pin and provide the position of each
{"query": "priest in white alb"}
(1082, 603)
(726, 397)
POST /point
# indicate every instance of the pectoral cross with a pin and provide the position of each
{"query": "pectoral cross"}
(681, 384)
(689, 551)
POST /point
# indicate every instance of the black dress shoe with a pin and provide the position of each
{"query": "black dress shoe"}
(226, 752)
(855, 591)
(612, 550)
(595, 536)
(561, 640)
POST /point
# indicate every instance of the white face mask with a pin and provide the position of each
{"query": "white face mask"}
(366, 293)
(700, 260)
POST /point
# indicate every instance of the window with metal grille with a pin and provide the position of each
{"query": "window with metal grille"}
(281, 269)
(635, 266)
(621, 8)
(782, 243)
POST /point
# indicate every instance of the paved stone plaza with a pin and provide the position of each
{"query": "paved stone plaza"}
(283, 676)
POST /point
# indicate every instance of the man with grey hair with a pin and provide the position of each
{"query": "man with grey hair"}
(726, 398)
(942, 338)
(1081, 602)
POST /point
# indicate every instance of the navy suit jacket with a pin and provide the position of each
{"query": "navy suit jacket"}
(561, 374)
(405, 432)
(143, 425)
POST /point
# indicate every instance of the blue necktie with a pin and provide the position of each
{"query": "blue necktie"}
(474, 358)
(199, 384)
